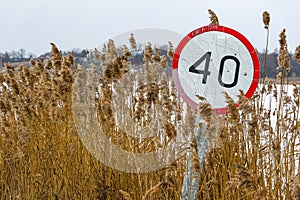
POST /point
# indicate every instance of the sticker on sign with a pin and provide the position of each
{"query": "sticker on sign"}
(213, 59)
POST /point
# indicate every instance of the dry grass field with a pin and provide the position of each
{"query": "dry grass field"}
(42, 156)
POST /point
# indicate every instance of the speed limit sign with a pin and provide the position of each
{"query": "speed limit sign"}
(212, 60)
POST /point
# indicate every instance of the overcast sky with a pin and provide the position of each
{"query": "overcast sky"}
(33, 24)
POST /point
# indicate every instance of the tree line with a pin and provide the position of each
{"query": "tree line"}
(81, 56)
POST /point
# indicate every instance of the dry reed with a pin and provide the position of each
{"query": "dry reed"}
(42, 157)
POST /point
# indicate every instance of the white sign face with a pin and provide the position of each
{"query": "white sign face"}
(212, 60)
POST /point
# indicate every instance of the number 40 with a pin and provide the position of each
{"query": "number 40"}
(205, 72)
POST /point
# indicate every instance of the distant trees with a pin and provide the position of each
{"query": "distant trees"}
(295, 68)
(272, 64)
(14, 56)
(77, 52)
(81, 56)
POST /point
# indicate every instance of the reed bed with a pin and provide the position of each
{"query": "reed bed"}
(43, 157)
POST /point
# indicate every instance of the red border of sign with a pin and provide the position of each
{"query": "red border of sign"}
(209, 28)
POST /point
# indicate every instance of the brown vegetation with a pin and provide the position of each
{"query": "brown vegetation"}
(42, 156)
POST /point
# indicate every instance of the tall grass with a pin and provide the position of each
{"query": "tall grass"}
(42, 156)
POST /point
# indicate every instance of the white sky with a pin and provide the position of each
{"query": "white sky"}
(33, 24)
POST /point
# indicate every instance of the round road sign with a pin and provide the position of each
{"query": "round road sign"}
(213, 59)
